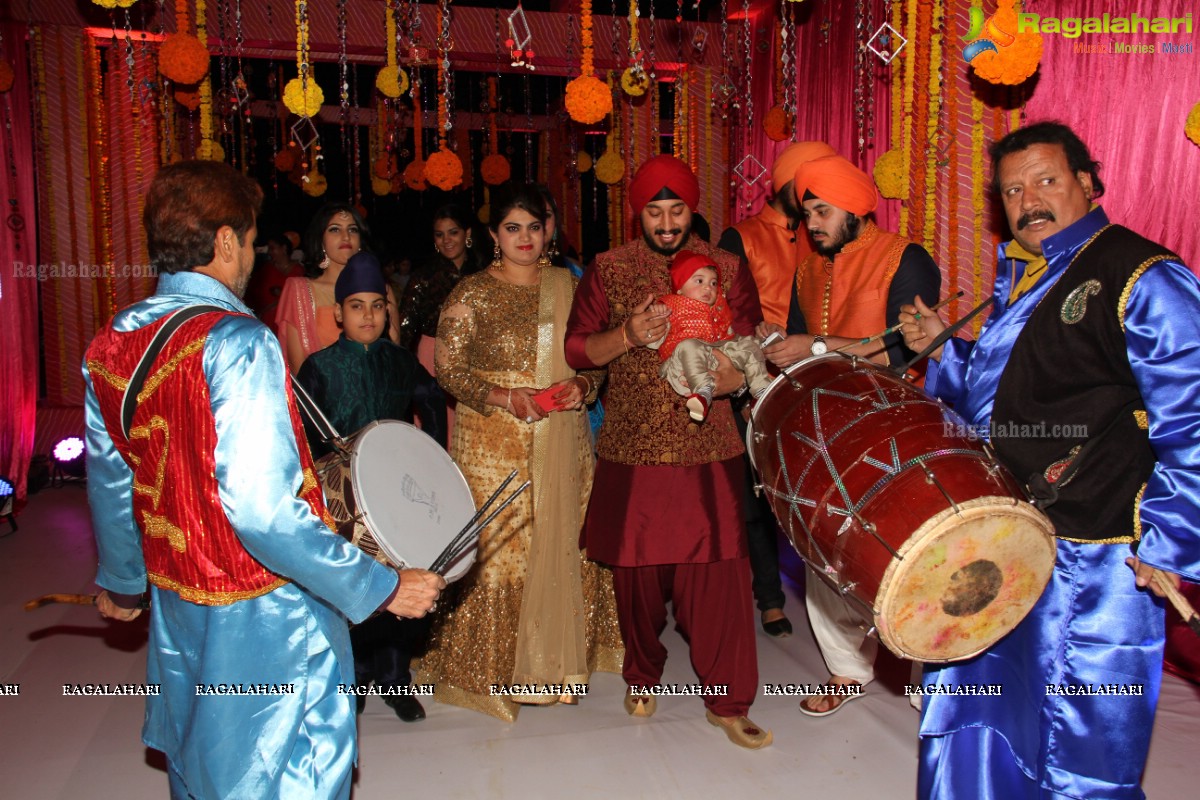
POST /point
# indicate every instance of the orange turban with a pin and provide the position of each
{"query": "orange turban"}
(664, 172)
(792, 156)
(839, 183)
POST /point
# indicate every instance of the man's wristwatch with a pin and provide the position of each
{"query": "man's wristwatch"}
(818, 346)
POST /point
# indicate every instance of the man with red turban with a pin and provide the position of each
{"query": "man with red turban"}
(850, 288)
(666, 510)
(774, 246)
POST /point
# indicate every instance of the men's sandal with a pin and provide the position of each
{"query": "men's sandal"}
(640, 705)
(741, 731)
(838, 699)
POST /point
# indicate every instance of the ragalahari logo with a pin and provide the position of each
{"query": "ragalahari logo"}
(985, 35)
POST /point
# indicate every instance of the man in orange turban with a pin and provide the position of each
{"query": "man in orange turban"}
(850, 288)
(773, 248)
(666, 509)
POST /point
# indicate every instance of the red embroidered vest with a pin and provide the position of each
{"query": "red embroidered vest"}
(645, 421)
(187, 542)
(848, 296)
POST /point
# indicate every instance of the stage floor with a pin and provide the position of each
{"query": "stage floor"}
(68, 747)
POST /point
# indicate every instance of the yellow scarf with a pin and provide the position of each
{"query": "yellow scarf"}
(1035, 268)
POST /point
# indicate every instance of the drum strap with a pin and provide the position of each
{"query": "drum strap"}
(312, 414)
(174, 322)
(1044, 490)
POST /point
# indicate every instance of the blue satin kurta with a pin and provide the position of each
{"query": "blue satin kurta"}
(1092, 626)
(299, 745)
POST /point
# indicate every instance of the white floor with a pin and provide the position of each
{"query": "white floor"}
(68, 747)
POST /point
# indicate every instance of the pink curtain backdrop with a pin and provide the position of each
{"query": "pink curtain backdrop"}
(827, 38)
(1130, 111)
(18, 250)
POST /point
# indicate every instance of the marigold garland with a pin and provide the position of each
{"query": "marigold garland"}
(495, 169)
(443, 169)
(183, 58)
(1192, 126)
(583, 162)
(380, 186)
(610, 168)
(188, 98)
(6, 76)
(114, 3)
(777, 124)
(1014, 63)
(588, 99)
(385, 167)
(302, 95)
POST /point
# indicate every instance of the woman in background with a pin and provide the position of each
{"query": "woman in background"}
(304, 321)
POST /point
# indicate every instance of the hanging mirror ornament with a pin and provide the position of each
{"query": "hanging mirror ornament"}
(750, 170)
(699, 40)
(723, 94)
(886, 43)
(519, 39)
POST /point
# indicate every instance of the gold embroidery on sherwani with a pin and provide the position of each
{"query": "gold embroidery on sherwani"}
(156, 423)
(164, 372)
(157, 527)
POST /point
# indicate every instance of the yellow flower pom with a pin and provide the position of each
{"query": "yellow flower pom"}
(583, 162)
(610, 168)
(300, 102)
(391, 81)
(484, 214)
(315, 184)
(890, 176)
(588, 99)
(635, 82)
(1192, 128)
(380, 186)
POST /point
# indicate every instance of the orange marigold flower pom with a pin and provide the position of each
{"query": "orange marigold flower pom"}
(444, 169)
(588, 99)
(414, 176)
(495, 169)
(777, 125)
(183, 58)
(6, 76)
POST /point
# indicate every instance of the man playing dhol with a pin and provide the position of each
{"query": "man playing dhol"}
(1094, 329)
(851, 288)
(205, 488)
(666, 510)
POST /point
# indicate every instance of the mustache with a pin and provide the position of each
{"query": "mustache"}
(671, 232)
(1034, 216)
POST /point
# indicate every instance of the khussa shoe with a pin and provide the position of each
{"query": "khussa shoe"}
(741, 731)
(779, 628)
(640, 705)
(407, 708)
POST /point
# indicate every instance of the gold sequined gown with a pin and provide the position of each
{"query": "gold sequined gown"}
(504, 624)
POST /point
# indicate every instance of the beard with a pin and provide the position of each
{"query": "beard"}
(683, 233)
(845, 235)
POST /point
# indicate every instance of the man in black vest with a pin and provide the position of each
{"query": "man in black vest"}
(1083, 381)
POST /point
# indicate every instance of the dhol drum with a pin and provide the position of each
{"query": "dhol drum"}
(397, 495)
(887, 496)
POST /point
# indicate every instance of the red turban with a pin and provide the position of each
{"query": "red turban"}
(839, 183)
(685, 264)
(792, 156)
(664, 172)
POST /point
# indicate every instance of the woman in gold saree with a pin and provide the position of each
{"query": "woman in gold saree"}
(533, 618)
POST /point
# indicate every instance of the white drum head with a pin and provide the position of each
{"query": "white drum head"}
(411, 493)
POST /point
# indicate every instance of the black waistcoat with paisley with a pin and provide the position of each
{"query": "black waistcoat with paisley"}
(1068, 380)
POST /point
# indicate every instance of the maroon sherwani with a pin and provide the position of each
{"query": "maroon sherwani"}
(666, 507)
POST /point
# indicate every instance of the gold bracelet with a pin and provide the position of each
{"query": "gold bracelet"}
(587, 382)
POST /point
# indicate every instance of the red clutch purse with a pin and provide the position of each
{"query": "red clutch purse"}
(545, 399)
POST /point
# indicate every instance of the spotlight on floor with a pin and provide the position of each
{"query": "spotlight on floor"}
(68, 460)
(7, 492)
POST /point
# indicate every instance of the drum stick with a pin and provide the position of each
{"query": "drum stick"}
(466, 529)
(896, 327)
(945, 336)
(72, 599)
(1179, 601)
(452, 551)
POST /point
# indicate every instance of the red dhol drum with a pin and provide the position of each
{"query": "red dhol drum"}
(886, 496)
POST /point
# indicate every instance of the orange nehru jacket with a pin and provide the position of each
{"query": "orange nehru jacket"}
(773, 254)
